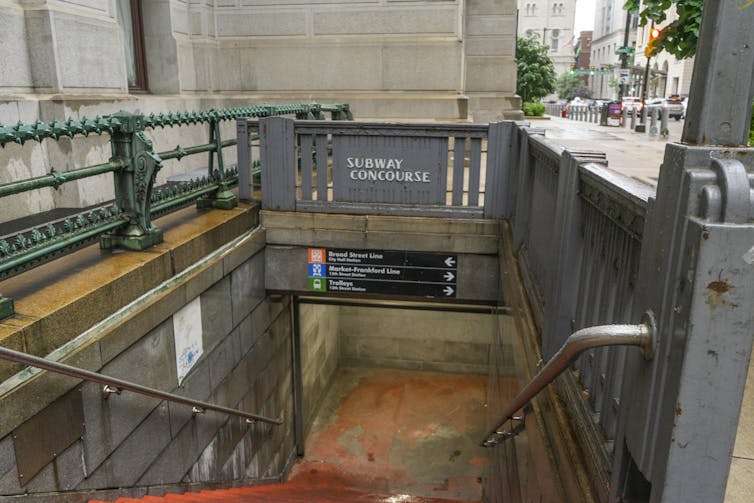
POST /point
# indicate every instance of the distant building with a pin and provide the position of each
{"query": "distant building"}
(552, 23)
(608, 37)
(667, 75)
(584, 50)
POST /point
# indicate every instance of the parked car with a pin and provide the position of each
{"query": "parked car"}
(674, 106)
(677, 106)
(632, 103)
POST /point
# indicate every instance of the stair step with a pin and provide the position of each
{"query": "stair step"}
(290, 492)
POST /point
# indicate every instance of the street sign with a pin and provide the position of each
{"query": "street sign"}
(591, 72)
(625, 50)
(382, 272)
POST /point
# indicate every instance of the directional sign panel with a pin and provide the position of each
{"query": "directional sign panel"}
(382, 272)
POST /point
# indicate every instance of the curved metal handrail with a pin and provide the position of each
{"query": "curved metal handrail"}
(641, 335)
(116, 385)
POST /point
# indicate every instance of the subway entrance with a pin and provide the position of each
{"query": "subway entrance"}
(392, 396)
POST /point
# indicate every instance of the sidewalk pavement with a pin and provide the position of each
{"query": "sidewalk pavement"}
(637, 155)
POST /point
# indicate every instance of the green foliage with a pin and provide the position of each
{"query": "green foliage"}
(536, 74)
(534, 108)
(680, 36)
(569, 86)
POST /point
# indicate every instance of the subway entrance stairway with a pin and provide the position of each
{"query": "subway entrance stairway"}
(382, 435)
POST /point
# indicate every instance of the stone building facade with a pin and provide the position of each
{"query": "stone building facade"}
(445, 59)
(552, 23)
(402, 59)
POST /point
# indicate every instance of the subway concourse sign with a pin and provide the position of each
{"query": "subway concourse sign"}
(386, 169)
(382, 272)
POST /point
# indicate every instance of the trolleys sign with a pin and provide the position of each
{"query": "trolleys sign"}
(382, 272)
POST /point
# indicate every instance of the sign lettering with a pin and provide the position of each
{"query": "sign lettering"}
(382, 272)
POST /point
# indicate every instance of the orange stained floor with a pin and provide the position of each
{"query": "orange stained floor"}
(409, 434)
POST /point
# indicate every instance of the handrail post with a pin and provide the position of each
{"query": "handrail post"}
(223, 198)
(133, 184)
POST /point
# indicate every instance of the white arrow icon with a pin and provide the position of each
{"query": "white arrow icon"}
(450, 261)
(449, 276)
(448, 291)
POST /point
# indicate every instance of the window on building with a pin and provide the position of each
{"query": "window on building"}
(609, 18)
(560, 9)
(554, 35)
(128, 15)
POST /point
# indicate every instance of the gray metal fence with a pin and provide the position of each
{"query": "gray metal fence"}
(599, 248)
(402, 169)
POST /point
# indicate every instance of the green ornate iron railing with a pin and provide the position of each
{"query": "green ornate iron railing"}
(127, 222)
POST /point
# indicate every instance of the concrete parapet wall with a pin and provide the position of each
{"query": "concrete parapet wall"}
(129, 440)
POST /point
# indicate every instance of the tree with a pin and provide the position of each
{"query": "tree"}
(568, 86)
(536, 74)
(678, 37)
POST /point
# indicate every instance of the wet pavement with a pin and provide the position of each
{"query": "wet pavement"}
(406, 433)
(633, 154)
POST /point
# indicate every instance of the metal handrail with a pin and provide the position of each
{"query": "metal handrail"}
(642, 335)
(115, 385)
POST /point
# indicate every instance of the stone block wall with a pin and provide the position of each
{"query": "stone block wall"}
(320, 354)
(389, 58)
(152, 446)
(417, 339)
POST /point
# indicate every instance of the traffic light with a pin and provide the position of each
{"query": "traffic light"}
(653, 44)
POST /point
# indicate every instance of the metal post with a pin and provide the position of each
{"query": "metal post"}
(653, 122)
(624, 56)
(695, 274)
(624, 116)
(223, 198)
(243, 153)
(664, 123)
(722, 76)
(645, 86)
(6, 307)
(277, 149)
(633, 118)
(298, 379)
(133, 184)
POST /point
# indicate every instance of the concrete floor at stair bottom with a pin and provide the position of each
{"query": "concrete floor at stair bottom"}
(399, 432)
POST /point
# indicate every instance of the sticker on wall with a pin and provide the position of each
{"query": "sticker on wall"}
(187, 330)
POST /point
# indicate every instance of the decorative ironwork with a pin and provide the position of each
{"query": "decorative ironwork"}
(127, 223)
(32, 247)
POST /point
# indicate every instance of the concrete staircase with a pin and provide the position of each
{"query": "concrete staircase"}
(291, 492)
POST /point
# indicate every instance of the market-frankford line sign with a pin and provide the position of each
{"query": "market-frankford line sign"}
(382, 272)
